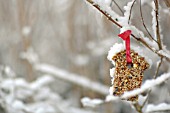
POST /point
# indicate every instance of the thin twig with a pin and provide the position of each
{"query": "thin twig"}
(137, 107)
(167, 2)
(159, 65)
(72, 78)
(120, 26)
(131, 11)
(146, 99)
(157, 24)
(159, 44)
(154, 77)
(160, 111)
(117, 6)
(143, 22)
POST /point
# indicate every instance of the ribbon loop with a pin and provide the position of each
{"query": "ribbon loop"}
(126, 36)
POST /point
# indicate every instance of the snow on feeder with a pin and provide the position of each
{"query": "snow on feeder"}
(129, 67)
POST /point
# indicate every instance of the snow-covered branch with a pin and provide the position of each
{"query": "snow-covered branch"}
(91, 102)
(79, 80)
(138, 35)
(157, 108)
(146, 86)
(73, 78)
(125, 20)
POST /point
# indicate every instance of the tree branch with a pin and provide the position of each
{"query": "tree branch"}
(146, 86)
(120, 26)
(154, 77)
(167, 2)
(131, 11)
(157, 24)
(72, 78)
(117, 6)
(143, 22)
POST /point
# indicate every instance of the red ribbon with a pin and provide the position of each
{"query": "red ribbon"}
(126, 36)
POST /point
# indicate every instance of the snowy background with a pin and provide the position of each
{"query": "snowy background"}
(53, 53)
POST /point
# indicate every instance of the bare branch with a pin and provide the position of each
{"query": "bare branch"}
(158, 67)
(117, 6)
(146, 99)
(131, 11)
(157, 24)
(167, 2)
(154, 77)
(160, 47)
(137, 107)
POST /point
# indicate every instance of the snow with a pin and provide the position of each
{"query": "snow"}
(17, 91)
(159, 107)
(158, 62)
(147, 85)
(119, 47)
(124, 20)
(30, 55)
(86, 101)
(21, 82)
(26, 30)
(139, 34)
(111, 98)
(112, 71)
(165, 53)
(105, 6)
(116, 48)
(42, 81)
(111, 90)
(154, 22)
(141, 99)
(18, 104)
(73, 78)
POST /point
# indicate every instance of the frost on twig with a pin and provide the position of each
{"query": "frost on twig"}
(139, 33)
(30, 55)
(157, 108)
(139, 36)
(86, 101)
(105, 5)
(17, 92)
(20, 96)
(165, 53)
(91, 102)
(154, 23)
(146, 86)
(125, 20)
(72, 78)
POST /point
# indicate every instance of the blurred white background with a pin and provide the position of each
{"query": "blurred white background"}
(71, 36)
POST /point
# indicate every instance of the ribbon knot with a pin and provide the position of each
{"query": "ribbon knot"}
(126, 37)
